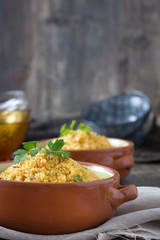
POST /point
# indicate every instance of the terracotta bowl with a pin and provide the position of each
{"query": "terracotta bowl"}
(120, 157)
(59, 208)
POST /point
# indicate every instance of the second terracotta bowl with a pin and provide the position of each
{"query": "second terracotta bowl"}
(120, 157)
(59, 208)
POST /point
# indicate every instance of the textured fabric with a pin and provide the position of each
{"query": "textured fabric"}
(137, 218)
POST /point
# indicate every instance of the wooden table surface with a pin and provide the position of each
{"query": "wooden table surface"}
(146, 171)
(144, 174)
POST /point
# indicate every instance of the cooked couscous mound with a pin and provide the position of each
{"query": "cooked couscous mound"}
(48, 168)
(78, 139)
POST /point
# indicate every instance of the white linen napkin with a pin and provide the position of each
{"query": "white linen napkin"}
(137, 218)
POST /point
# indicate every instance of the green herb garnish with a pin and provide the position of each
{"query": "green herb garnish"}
(56, 147)
(77, 179)
(50, 174)
(31, 148)
(66, 129)
(84, 127)
(21, 154)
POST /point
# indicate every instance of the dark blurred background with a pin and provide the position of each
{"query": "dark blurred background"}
(68, 54)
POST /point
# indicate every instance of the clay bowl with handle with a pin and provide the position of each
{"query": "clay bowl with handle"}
(60, 208)
(120, 156)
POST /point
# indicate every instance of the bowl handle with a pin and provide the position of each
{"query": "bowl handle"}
(124, 194)
(124, 162)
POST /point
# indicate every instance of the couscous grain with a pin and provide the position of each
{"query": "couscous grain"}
(48, 168)
(78, 139)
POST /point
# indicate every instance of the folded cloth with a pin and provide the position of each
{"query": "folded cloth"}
(137, 218)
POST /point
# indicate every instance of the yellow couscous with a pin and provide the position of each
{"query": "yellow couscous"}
(48, 168)
(78, 139)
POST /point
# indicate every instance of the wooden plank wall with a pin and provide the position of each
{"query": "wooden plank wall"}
(67, 54)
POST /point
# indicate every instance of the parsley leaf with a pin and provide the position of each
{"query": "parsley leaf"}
(30, 147)
(77, 179)
(48, 151)
(33, 152)
(66, 129)
(72, 124)
(60, 153)
(21, 154)
(66, 154)
(56, 147)
(84, 127)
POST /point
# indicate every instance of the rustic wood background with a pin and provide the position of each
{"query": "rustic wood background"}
(67, 54)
